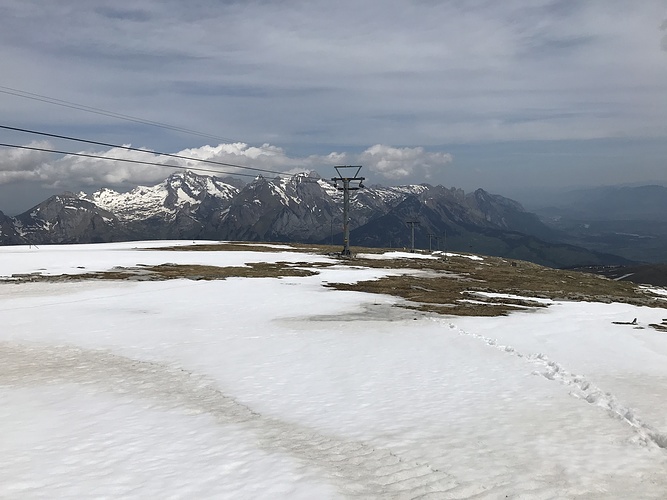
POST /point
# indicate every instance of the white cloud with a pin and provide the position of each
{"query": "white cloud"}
(22, 164)
(399, 163)
(75, 172)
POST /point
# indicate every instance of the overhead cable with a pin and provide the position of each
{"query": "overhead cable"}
(104, 112)
(126, 160)
(129, 148)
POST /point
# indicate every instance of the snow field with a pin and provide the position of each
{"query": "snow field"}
(74, 442)
(80, 259)
(280, 388)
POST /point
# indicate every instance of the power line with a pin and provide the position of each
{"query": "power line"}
(129, 148)
(104, 112)
(126, 160)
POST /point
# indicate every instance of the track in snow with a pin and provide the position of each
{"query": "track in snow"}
(580, 388)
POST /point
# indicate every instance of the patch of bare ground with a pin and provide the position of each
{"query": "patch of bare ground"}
(451, 286)
(240, 246)
(231, 246)
(169, 271)
(245, 246)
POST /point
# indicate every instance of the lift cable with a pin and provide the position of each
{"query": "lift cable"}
(126, 160)
(104, 112)
(129, 148)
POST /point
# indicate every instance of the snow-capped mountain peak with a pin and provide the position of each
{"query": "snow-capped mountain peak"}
(181, 190)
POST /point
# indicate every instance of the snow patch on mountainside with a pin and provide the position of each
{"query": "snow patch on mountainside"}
(141, 203)
(162, 200)
(281, 190)
(329, 189)
(387, 195)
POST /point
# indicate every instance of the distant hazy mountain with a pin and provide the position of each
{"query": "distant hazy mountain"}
(612, 203)
(627, 221)
(302, 208)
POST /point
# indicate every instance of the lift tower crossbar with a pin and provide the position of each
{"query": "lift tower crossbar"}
(344, 176)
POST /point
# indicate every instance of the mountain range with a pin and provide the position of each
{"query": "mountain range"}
(301, 208)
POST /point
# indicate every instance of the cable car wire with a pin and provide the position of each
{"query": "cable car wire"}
(127, 160)
(130, 148)
(90, 109)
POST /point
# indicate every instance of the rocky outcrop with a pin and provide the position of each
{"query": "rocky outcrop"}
(66, 218)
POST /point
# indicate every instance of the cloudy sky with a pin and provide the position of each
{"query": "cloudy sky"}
(508, 95)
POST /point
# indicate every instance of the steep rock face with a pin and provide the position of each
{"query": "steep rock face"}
(66, 218)
(300, 208)
(8, 233)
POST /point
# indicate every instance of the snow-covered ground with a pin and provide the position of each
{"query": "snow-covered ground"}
(283, 389)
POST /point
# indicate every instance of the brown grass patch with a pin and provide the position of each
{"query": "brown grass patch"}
(176, 271)
(447, 288)
(240, 246)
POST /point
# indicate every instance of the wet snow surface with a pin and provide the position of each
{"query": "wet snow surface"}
(282, 389)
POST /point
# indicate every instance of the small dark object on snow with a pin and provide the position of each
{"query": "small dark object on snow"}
(633, 322)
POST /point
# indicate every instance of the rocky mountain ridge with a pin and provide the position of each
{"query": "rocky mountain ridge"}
(300, 208)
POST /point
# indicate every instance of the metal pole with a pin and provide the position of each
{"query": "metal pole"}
(346, 218)
(346, 179)
(412, 227)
